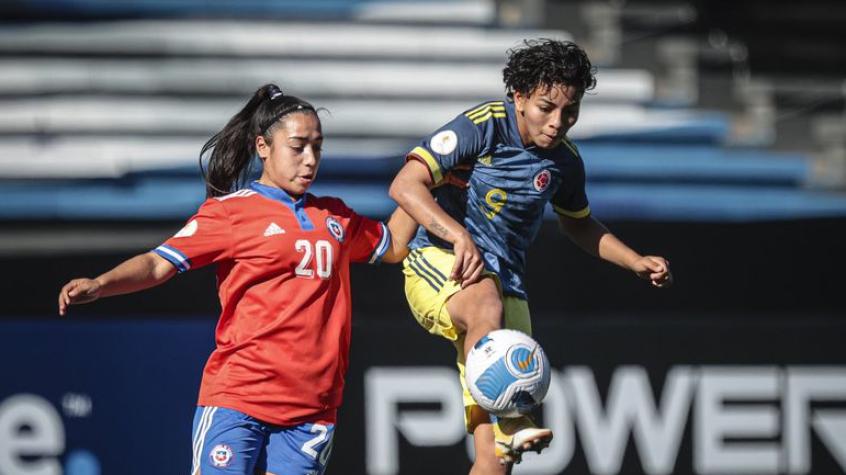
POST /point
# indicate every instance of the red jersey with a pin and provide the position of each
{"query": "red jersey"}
(283, 338)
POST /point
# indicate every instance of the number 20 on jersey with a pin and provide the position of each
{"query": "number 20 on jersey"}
(319, 252)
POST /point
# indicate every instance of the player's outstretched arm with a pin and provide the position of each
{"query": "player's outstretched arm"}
(410, 189)
(138, 273)
(402, 228)
(593, 237)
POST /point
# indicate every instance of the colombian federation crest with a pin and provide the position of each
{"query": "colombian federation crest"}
(542, 179)
(335, 228)
(221, 455)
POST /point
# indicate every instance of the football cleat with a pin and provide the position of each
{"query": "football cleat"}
(516, 435)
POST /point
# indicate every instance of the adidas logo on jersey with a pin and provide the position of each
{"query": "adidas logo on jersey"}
(273, 229)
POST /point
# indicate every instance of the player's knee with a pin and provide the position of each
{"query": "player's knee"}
(479, 306)
(483, 316)
(488, 311)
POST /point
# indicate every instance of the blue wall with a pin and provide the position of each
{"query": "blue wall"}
(117, 396)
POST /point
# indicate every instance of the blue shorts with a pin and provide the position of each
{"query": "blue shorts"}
(231, 442)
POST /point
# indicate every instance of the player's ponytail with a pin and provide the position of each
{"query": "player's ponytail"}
(231, 151)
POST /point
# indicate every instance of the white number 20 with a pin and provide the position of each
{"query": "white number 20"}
(323, 253)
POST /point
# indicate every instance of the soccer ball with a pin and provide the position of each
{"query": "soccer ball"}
(507, 373)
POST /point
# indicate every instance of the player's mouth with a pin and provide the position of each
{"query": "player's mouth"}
(305, 180)
(550, 138)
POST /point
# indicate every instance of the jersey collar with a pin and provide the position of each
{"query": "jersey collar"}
(277, 194)
(297, 206)
(513, 131)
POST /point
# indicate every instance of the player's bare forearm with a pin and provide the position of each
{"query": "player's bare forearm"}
(402, 228)
(138, 273)
(594, 238)
(410, 189)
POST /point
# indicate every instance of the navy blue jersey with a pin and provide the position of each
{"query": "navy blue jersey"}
(497, 188)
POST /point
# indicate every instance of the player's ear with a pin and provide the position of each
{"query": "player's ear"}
(262, 148)
(519, 101)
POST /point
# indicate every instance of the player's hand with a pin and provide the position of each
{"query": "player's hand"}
(468, 265)
(654, 269)
(78, 291)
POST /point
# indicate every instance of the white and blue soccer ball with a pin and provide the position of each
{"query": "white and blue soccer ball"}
(507, 373)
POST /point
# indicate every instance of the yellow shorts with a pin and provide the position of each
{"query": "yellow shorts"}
(427, 289)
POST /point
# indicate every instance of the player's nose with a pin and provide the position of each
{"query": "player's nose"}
(310, 158)
(555, 123)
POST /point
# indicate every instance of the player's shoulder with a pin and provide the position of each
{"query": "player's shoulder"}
(569, 148)
(232, 203)
(484, 115)
(331, 204)
(566, 154)
(233, 197)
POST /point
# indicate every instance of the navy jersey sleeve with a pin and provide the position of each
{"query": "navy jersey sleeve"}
(571, 199)
(460, 141)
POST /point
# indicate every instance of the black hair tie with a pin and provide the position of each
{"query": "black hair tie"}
(273, 92)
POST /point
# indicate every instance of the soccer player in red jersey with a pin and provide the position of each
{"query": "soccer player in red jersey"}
(272, 386)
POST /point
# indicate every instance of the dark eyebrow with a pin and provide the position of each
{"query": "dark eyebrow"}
(305, 139)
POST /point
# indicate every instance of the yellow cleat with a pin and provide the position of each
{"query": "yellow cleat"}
(517, 435)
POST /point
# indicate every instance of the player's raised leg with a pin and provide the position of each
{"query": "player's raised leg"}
(476, 311)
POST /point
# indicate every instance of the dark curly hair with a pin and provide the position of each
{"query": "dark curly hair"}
(545, 63)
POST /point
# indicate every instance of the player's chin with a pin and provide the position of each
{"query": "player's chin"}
(300, 186)
(546, 141)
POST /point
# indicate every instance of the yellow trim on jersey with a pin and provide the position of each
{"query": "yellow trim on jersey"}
(583, 213)
(495, 115)
(475, 115)
(486, 111)
(570, 145)
(427, 157)
(498, 105)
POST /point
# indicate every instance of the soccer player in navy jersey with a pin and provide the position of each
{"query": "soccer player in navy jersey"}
(272, 387)
(479, 186)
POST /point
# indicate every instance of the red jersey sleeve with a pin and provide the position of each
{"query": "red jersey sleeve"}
(206, 238)
(367, 239)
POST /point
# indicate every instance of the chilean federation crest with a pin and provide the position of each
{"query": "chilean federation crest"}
(542, 179)
(335, 228)
(221, 455)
